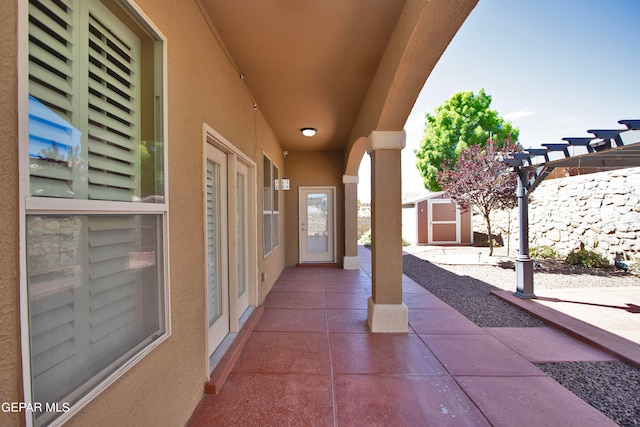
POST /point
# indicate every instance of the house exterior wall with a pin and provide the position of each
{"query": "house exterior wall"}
(164, 387)
(10, 361)
(307, 168)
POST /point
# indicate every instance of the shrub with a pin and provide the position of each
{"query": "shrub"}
(365, 239)
(586, 258)
(634, 267)
(543, 252)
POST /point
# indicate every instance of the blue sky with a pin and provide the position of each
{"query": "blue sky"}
(554, 68)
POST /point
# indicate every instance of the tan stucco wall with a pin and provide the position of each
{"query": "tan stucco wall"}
(306, 169)
(10, 365)
(203, 87)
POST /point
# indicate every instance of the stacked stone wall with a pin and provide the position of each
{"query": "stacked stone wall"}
(599, 210)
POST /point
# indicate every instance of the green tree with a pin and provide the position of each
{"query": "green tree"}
(462, 121)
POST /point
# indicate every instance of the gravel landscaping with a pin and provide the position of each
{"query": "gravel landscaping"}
(611, 387)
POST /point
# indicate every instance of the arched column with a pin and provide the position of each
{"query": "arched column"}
(387, 312)
(351, 260)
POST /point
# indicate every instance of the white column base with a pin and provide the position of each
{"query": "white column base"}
(388, 317)
(351, 263)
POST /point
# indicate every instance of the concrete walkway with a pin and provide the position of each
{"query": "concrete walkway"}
(310, 360)
(606, 317)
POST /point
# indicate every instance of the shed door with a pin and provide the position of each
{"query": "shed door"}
(444, 222)
(423, 223)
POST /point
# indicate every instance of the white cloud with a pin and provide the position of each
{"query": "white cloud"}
(415, 125)
(515, 115)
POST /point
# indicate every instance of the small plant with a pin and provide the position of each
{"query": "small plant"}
(586, 258)
(634, 268)
(547, 252)
(365, 239)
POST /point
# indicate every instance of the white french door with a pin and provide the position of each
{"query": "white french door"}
(231, 240)
(317, 228)
(217, 247)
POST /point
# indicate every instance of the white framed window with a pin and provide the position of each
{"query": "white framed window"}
(93, 173)
(270, 205)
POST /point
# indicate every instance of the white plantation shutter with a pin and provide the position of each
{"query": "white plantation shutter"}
(113, 132)
(214, 279)
(53, 80)
(241, 235)
(102, 101)
(113, 283)
(86, 306)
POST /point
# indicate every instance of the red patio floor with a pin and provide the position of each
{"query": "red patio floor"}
(310, 361)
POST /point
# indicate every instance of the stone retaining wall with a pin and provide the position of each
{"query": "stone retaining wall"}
(600, 210)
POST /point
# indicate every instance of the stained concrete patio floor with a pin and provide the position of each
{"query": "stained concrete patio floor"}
(310, 360)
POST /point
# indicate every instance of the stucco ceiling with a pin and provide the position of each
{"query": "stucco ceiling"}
(311, 63)
(307, 63)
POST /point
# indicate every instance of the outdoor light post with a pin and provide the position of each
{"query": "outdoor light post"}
(524, 264)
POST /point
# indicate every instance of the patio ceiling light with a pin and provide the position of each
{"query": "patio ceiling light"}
(308, 132)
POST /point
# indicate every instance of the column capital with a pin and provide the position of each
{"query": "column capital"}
(350, 179)
(386, 140)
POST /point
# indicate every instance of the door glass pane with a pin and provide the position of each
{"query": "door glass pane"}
(317, 222)
(214, 278)
(240, 233)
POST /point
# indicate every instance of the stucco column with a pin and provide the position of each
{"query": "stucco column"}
(351, 260)
(387, 312)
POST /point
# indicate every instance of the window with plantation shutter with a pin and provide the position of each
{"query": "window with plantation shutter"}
(270, 205)
(93, 83)
(95, 278)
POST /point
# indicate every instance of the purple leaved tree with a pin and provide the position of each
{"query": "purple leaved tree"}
(480, 180)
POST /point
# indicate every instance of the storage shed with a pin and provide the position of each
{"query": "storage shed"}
(435, 219)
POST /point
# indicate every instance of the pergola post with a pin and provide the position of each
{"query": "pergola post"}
(524, 264)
